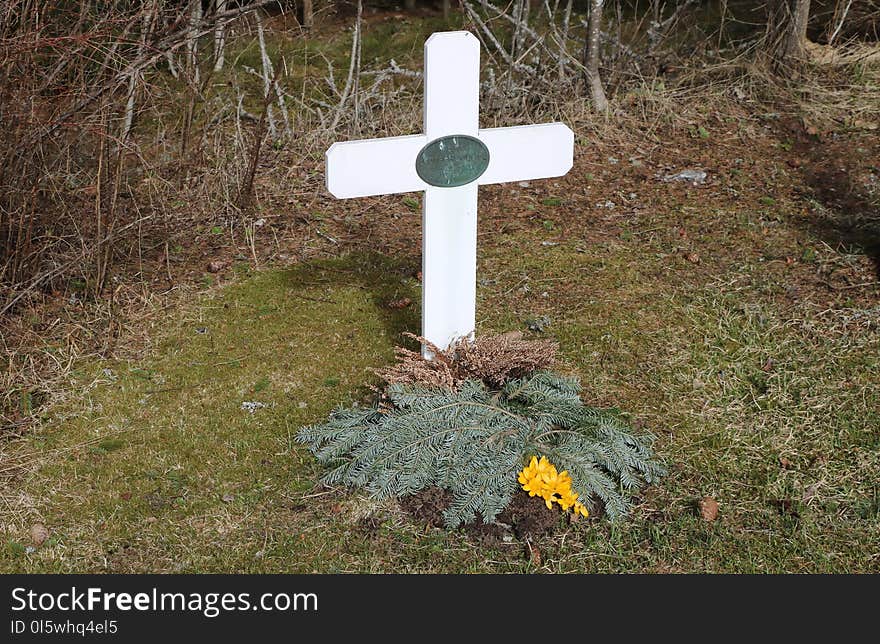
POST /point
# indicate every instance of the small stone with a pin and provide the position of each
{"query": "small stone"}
(693, 258)
(523, 184)
(252, 406)
(39, 534)
(228, 498)
(695, 177)
(708, 508)
(217, 265)
(538, 325)
(302, 405)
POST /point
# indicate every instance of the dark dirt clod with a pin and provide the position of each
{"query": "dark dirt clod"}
(427, 505)
(527, 517)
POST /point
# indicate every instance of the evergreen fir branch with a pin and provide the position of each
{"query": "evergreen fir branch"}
(473, 440)
(340, 435)
(588, 478)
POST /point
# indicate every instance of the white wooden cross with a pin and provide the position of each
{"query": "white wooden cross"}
(449, 215)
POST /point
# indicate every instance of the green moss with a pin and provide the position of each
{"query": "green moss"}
(163, 469)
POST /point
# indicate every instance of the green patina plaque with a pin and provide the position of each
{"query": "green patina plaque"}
(452, 161)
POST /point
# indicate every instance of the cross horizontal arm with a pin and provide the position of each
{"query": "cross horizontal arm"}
(374, 167)
(527, 152)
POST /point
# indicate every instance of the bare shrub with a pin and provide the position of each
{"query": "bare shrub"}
(493, 359)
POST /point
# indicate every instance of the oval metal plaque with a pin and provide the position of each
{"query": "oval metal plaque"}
(452, 161)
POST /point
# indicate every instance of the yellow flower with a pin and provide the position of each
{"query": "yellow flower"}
(541, 478)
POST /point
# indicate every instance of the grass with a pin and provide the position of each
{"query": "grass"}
(158, 467)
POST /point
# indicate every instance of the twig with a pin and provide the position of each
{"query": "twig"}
(267, 73)
(354, 63)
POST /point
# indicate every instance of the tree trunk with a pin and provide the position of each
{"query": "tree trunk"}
(219, 38)
(308, 14)
(409, 5)
(192, 42)
(517, 24)
(797, 29)
(150, 14)
(445, 5)
(591, 57)
(563, 39)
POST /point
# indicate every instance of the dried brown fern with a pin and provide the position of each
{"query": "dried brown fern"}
(494, 359)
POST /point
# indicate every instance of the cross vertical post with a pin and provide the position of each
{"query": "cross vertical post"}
(449, 215)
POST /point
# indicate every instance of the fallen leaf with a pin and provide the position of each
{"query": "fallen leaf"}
(534, 554)
(125, 496)
(399, 304)
(228, 498)
(785, 463)
(693, 258)
(708, 508)
(39, 534)
(768, 365)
